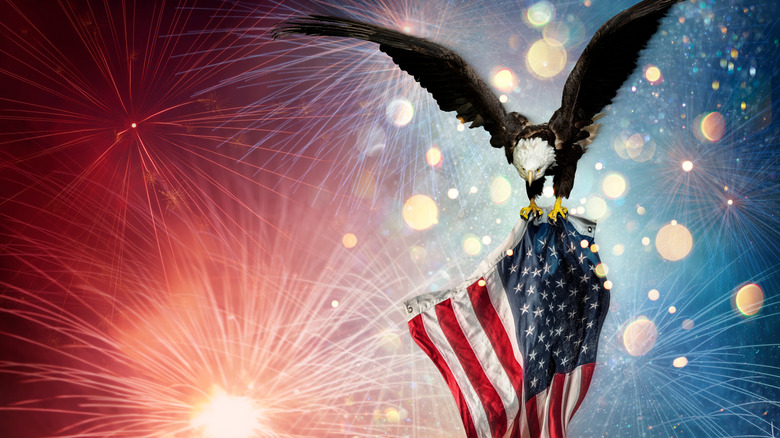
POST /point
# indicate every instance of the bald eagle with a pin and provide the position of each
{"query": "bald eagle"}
(536, 151)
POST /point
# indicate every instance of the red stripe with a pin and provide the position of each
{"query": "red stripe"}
(420, 336)
(487, 394)
(555, 414)
(586, 376)
(532, 414)
(496, 332)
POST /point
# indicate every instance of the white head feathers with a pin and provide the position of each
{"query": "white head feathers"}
(534, 155)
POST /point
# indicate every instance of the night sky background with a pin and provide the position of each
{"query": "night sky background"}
(205, 232)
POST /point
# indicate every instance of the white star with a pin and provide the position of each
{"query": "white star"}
(529, 331)
(532, 356)
(558, 331)
(544, 295)
(541, 363)
(525, 308)
(594, 305)
(529, 253)
(581, 257)
(547, 347)
(536, 272)
(540, 258)
(531, 290)
(565, 360)
(571, 248)
(512, 269)
(590, 324)
(595, 287)
(569, 336)
(572, 292)
(571, 315)
(541, 241)
(554, 254)
(547, 321)
(560, 283)
(537, 313)
(557, 352)
(518, 288)
(534, 382)
(585, 278)
(571, 269)
(525, 271)
(585, 348)
(561, 307)
(546, 281)
(585, 300)
(541, 337)
(552, 307)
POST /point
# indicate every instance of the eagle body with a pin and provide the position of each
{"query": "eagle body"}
(536, 150)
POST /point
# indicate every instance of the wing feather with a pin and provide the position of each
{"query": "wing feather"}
(448, 78)
(607, 61)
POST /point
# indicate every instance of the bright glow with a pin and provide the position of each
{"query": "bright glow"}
(557, 31)
(687, 166)
(749, 299)
(614, 185)
(687, 324)
(673, 241)
(599, 165)
(618, 249)
(400, 112)
(645, 241)
(420, 212)
(433, 156)
(334, 303)
(540, 13)
(504, 80)
(546, 58)
(583, 243)
(680, 362)
(548, 192)
(133, 125)
(653, 294)
(640, 336)
(226, 416)
(502, 98)
(653, 74)
(471, 245)
(452, 193)
(640, 210)
(594, 248)
(607, 285)
(596, 207)
(349, 240)
(672, 309)
(711, 126)
(500, 190)
(602, 270)
(486, 240)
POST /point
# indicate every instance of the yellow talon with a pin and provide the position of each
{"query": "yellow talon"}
(558, 208)
(532, 208)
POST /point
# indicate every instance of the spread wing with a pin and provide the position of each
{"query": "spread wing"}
(453, 83)
(604, 65)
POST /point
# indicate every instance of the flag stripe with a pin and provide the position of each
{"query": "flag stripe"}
(532, 414)
(420, 336)
(491, 401)
(495, 288)
(585, 378)
(572, 395)
(494, 330)
(554, 408)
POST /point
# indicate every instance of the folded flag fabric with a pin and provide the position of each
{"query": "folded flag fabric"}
(517, 343)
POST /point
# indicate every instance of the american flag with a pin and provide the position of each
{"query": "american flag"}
(517, 344)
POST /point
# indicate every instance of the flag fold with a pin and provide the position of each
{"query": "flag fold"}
(516, 344)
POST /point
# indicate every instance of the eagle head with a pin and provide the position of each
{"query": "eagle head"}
(532, 157)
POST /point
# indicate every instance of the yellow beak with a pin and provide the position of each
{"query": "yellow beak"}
(530, 177)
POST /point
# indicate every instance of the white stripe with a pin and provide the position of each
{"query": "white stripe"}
(543, 410)
(571, 392)
(522, 424)
(486, 355)
(477, 411)
(500, 302)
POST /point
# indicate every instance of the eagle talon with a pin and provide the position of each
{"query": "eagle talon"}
(558, 208)
(532, 208)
